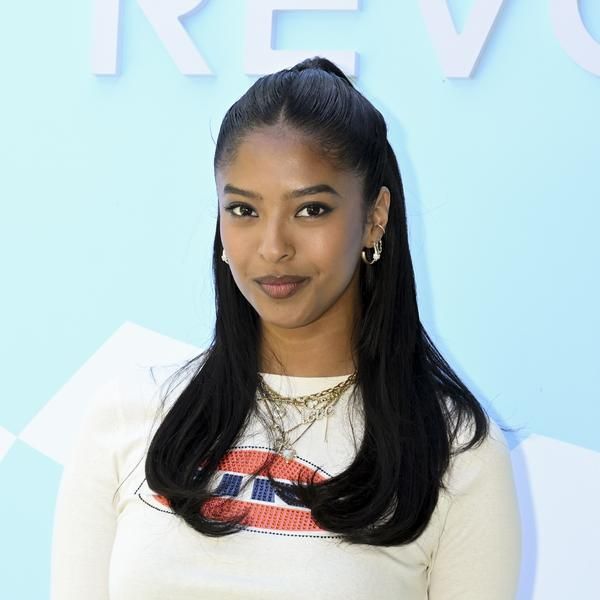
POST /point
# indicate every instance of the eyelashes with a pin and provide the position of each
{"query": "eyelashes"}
(244, 207)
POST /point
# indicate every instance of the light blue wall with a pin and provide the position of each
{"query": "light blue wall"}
(109, 209)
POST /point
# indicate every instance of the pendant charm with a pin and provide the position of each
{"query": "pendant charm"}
(288, 453)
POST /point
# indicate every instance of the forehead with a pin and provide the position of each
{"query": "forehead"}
(279, 156)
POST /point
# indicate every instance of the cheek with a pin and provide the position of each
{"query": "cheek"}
(335, 251)
(236, 241)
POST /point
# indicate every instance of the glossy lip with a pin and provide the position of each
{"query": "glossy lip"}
(282, 290)
(280, 279)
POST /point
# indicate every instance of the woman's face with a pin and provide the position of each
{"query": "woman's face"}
(284, 210)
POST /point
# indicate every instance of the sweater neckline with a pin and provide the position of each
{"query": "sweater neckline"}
(296, 385)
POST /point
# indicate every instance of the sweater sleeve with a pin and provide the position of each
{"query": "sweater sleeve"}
(85, 516)
(479, 551)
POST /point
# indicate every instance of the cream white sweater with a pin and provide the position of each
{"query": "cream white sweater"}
(126, 544)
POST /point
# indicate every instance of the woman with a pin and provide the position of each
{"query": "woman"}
(321, 447)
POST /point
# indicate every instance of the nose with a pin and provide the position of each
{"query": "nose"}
(275, 243)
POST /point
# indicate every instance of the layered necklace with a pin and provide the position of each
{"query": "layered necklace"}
(311, 408)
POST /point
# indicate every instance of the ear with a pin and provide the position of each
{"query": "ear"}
(378, 215)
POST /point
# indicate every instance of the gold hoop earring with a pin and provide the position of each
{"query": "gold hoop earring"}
(224, 256)
(377, 249)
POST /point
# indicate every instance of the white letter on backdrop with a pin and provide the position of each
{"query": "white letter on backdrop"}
(164, 16)
(105, 37)
(259, 56)
(573, 35)
(459, 53)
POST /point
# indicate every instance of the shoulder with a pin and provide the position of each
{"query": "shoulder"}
(130, 400)
(485, 462)
(143, 390)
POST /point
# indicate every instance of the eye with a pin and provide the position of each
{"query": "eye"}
(243, 207)
(245, 210)
(314, 206)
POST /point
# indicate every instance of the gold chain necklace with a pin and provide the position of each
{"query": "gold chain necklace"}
(319, 405)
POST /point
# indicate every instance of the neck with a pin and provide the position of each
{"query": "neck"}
(311, 351)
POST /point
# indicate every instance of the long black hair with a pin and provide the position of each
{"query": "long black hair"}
(414, 404)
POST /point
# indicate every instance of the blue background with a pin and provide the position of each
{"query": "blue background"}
(109, 209)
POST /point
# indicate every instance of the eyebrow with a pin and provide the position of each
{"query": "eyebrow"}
(321, 188)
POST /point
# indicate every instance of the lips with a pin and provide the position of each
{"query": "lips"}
(282, 290)
(279, 280)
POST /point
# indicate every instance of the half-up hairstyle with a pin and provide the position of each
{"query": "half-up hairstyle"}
(414, 405)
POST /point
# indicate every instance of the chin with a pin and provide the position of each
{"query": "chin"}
(284, 319)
